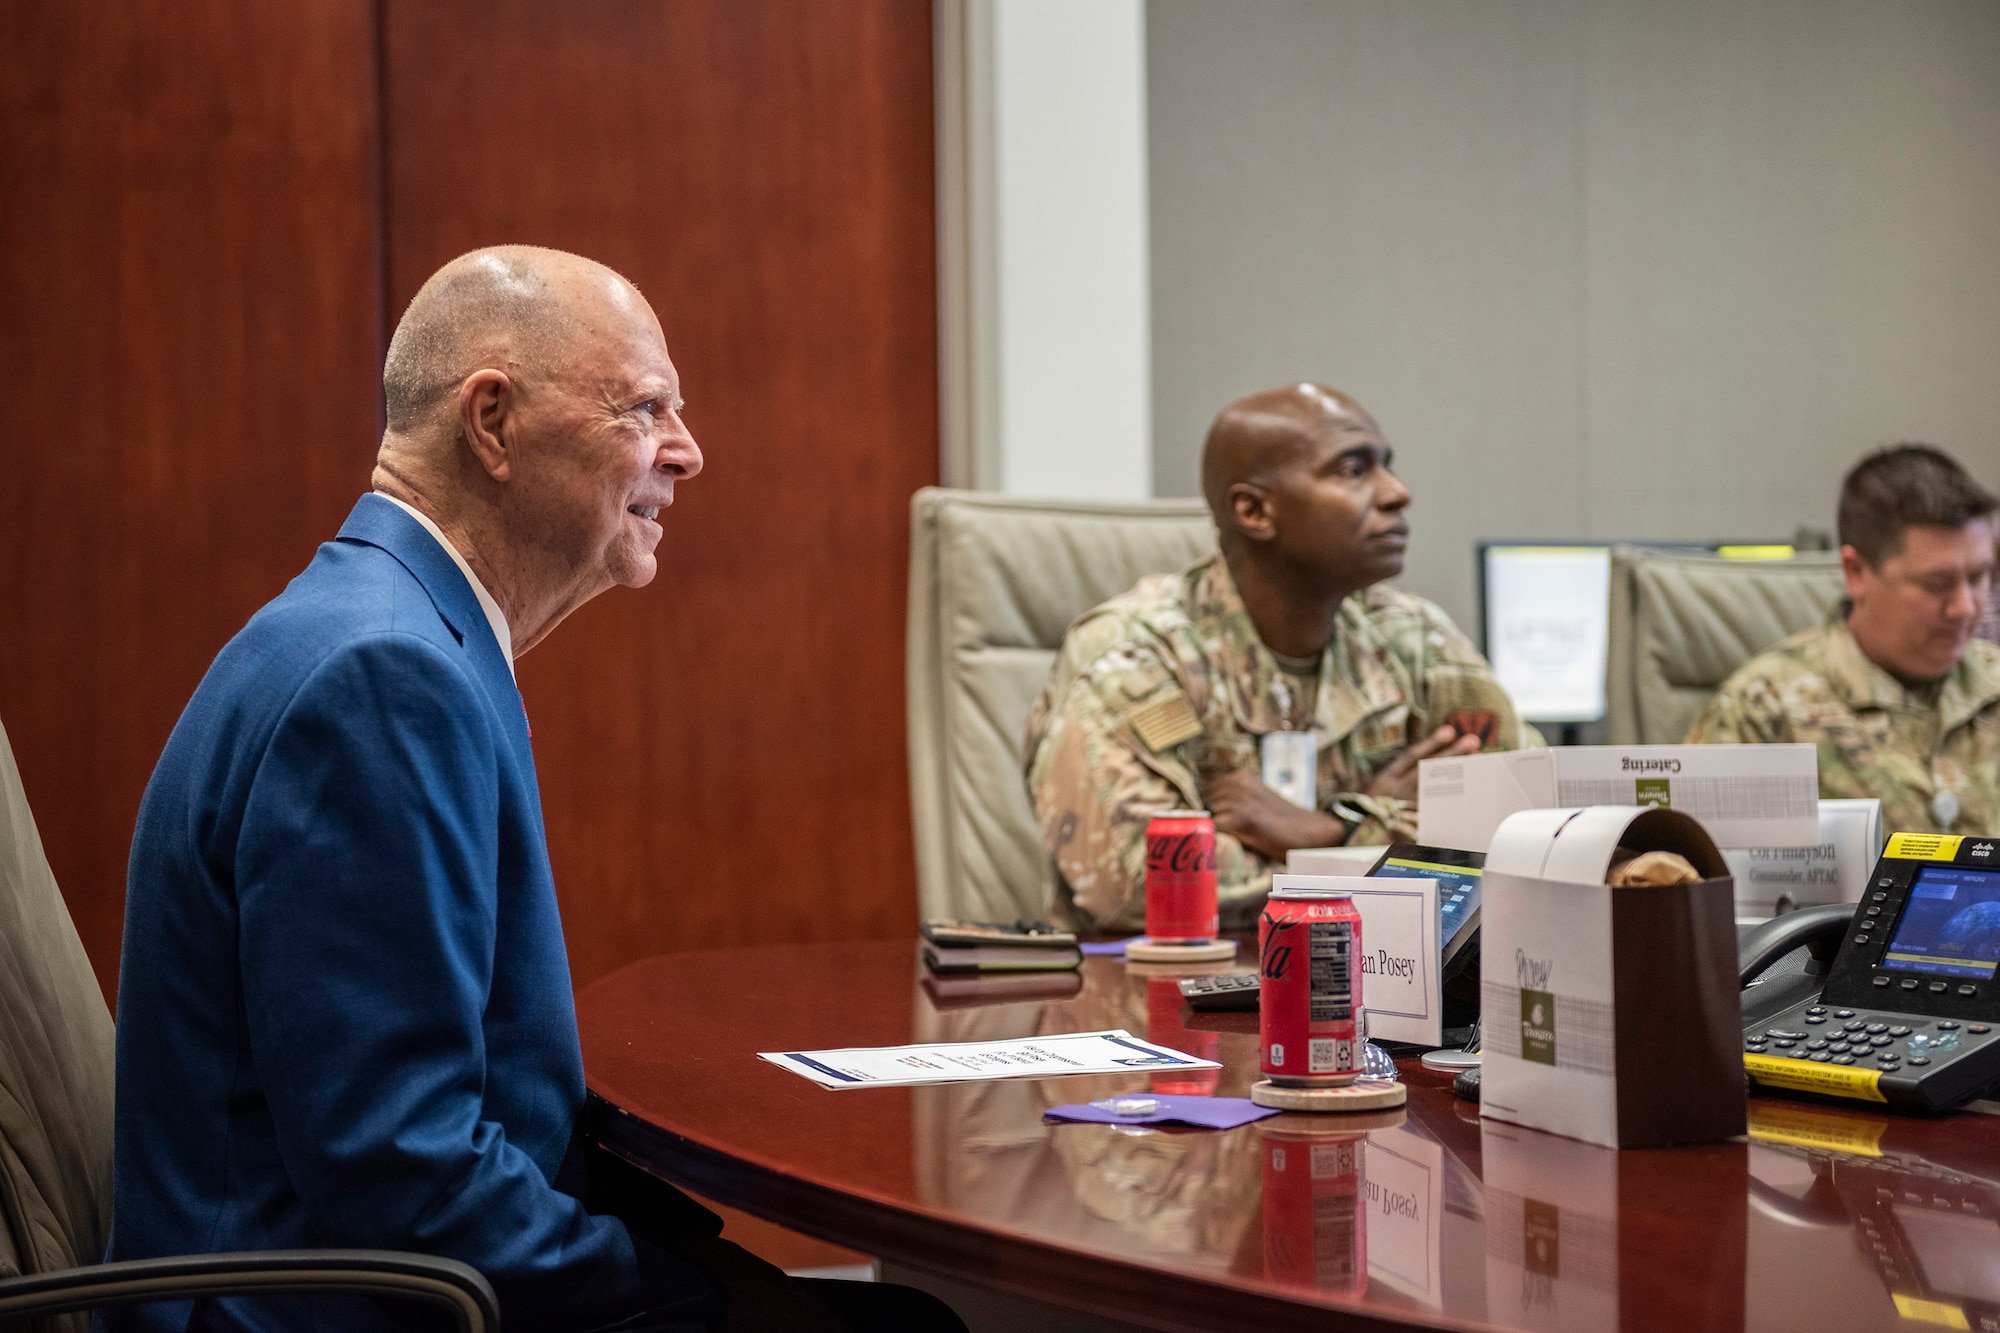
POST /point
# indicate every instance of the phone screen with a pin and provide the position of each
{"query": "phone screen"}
(1951, 926)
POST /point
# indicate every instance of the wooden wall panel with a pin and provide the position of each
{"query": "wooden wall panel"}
(189, 315)
(722, 753)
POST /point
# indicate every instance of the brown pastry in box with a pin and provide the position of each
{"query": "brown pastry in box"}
(1651, 870)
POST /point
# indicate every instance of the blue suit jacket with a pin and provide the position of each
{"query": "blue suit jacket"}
(344, 1011)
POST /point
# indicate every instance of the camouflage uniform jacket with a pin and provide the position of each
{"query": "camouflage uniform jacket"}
(1168, 683)
(1874, 737)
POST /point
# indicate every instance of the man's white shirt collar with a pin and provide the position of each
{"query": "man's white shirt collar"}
(494, 616)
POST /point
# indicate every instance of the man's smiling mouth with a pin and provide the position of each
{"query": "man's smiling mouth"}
(651, 512)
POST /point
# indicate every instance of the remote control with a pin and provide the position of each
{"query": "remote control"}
(1217, 994)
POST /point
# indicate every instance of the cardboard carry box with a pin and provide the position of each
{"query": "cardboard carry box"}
(1609, 1015)
(1744, 795)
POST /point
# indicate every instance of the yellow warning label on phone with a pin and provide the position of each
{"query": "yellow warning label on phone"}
(1834, 1128)
(1930, 1312)
(1923, 846)
(1809, 1076)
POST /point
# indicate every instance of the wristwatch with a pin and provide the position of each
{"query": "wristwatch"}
(1350, 818)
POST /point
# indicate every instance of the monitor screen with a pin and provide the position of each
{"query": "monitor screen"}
(1546, 613)
(1951, 926)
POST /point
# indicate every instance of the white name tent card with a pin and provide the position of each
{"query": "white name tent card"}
(1400, 989)
(1834, 870)
(1114, 1051)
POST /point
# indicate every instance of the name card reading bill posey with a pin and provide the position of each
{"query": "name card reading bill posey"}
(1111, 1052)
(1401, 989)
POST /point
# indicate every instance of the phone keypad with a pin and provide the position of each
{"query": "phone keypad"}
(1887, 1043)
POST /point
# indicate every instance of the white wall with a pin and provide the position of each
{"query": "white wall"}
(1046, 343)
(1612, 269)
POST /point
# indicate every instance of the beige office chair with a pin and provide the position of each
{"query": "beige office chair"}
(1682, 623)
(994, 582)
(55, 1138)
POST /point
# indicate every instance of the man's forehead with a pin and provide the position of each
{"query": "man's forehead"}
(1971, 545)
(1337, 432)
(621, 345)
(634, 369)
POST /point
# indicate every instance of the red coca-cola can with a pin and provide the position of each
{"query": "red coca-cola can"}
(1315, 1235)
(1180, 877)
(1309, 1001)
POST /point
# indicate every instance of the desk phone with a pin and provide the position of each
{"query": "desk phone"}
(1910, 1013)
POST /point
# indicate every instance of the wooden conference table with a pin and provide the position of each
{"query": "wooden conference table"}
(1825, 1218)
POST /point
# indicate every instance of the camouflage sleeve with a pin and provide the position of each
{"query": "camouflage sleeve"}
(1746, 710)
(1095, 782)
(1456, 678)
(1389, 819)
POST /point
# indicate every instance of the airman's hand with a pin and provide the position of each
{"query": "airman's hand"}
(1398, 778)
(1264, 821)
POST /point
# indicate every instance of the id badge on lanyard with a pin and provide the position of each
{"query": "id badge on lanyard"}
(1291, 766)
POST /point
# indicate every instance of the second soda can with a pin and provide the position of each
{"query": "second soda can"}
(1308, 950)
(1180, 877)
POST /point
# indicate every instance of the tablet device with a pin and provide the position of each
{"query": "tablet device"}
(1457, 874)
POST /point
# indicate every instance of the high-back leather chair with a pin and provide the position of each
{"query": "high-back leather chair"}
(1681, 623)
(994, 582)
(55, 1138)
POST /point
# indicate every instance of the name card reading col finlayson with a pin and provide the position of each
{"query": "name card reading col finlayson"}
(1111, 1052)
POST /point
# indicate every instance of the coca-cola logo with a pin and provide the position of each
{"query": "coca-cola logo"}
(1180, 853)
(1274, 952)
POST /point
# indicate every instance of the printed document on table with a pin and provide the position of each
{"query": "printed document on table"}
(1114, 1052)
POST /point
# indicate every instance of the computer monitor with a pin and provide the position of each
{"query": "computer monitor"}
(1544, 619)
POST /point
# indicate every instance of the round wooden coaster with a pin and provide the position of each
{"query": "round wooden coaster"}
(1347, 1125)
(1215, 951)
(1364, 1094)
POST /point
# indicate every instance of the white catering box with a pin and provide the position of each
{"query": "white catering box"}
(1744, 795)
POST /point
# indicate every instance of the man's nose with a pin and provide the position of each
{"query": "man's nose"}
(680, 455)
(1968, 599)
(1394, 494)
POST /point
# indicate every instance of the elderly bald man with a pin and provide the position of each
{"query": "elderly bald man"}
(344, 1013)
(1171, 694)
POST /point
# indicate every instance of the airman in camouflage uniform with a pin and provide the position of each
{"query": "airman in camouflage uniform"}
(1876, 736)
(1163, 687)
(1902, 703)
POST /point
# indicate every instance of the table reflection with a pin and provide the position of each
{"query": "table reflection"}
(1165, 1028)
(1929, 1229)
(1291, 1201)
(1314, 1208)
(1825, 1218)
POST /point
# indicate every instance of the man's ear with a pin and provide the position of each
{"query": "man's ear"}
(1855, 570)
(1251, 506)
(485, 399)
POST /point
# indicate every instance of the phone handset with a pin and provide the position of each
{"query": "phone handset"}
(1819, 930)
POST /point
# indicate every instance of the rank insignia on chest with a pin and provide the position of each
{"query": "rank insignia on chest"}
(1166, 723)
